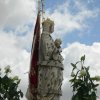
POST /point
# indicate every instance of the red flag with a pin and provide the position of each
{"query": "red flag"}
(33, 74)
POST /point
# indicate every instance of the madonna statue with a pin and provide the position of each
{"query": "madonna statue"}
(50, 70)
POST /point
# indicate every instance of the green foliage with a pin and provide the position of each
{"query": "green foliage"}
(9, 86)
(84, 86)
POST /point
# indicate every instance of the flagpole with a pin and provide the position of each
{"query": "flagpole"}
(39, 2)
(43, 10)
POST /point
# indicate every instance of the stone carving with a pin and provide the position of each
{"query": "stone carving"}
(57, 52)
(50, 70)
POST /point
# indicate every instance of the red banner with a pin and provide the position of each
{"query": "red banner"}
(33, 75)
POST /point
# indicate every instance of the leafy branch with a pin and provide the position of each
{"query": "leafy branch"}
(84, 87)
(9, 86)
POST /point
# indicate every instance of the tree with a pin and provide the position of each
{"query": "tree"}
(84, 86)
(9, 86)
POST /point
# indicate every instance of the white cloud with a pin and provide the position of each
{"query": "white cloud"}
(9, 49)
(16, 21)
(14, 13)
(67, 21)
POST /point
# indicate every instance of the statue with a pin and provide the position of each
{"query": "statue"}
(50, 69)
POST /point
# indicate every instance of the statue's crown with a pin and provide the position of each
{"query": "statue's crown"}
(48, 21)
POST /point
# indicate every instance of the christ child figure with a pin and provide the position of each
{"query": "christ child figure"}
(57, 52)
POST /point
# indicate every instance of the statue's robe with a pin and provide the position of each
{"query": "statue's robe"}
(50, 71)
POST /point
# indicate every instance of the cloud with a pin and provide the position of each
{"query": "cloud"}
(14, 13)
(71, 16)
(9, 49)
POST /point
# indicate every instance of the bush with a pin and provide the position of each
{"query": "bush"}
(84, 86)
(9, 86)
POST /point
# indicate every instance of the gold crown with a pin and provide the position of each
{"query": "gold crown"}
(48, 21)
